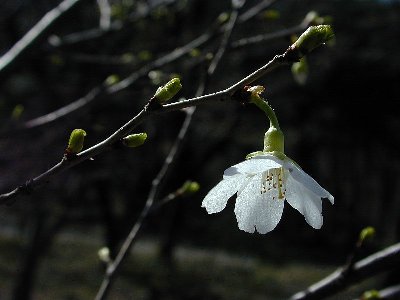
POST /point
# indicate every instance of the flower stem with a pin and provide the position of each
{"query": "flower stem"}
(264, 106)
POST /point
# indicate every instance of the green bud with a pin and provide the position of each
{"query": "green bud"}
(195, 52)
(367, 234)
(311, 18)
(189, 188)
(145, 55)
(127, 58)
(271, 14)
(300, 71)
(274, 140)
(104, 255)
(112, 79)
(134, 140)
(371, 295)
(76, 140)
(17, 111)
(313, 37)
(155, 76)
(223, 18)
(169, 90)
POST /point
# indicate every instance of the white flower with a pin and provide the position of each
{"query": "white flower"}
(262, 184)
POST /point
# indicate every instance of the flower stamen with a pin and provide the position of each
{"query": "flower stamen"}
(274, 180)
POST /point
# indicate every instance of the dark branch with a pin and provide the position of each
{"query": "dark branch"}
(34, 35)
(143, 115)
(381, 261)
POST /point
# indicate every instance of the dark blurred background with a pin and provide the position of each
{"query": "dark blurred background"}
(341, 126)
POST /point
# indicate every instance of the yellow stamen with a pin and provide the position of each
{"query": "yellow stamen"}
(274, 179)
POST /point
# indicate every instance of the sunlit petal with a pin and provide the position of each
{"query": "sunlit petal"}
(216, 199)
(254, 165)
(256, 210)
(307, 181)
(305, 201)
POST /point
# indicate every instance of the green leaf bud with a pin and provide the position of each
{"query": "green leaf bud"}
(155, 76)
(223, 17)
(195, 52)
(271, 14)
(189, 188)
(313, 37)
(76, 140)
(134, 140)
(17, 111)
(366, 234)
(104, 255)
(145, 55)
(169, 90)
(112, 79)
(300, 71)
(371, 295)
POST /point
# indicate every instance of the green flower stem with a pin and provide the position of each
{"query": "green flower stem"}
(264, 106)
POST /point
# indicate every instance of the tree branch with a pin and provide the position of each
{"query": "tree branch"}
(34, 35)
(143, 115)
(378, 262)
(114, 267)
(96, 92)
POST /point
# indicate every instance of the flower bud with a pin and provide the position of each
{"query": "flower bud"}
(370, 295)
(300, 71)
(366, 234)
(134, 140)
(313, 37)
(189, 188)
(112, 79)
(104, 255)
(76, 139)
(169, 90)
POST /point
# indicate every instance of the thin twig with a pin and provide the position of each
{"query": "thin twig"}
(105, 14)
(114, 267)
(391, 292)
(96, 92)
(128, 81)
(268, 36)
(255, 10)
(94, 33)
(378, 262)
(34, 35)
(143, 115)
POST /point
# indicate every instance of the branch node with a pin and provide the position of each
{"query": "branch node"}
(153, 105)
(242, 95)
(26, 188)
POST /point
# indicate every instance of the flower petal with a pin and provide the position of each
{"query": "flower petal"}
(255, 210)
(305, 201)
(307, 181)
(254, 165)
(216, 199)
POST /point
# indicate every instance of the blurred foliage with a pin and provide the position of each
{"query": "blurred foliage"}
(341, 126)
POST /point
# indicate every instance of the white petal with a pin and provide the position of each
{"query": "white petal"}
(216, 199)
(254, 165)
(307, 181)
(305, 201)
(257, 211)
